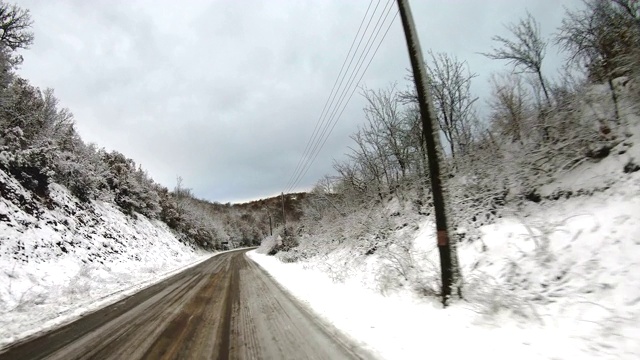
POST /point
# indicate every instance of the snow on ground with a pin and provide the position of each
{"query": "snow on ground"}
(590, 176)
(554, 280)
(59, 263)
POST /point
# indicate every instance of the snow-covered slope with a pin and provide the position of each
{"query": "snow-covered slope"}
(590, 176)
(59, 261)
(558, 279)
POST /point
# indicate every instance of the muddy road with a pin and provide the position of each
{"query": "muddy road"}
(224, 308)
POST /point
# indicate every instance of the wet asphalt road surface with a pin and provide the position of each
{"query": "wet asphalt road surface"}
(224, 308)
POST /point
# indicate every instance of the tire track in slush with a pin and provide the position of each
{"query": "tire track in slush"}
(121, 335)
(233, 292)
(171, 343)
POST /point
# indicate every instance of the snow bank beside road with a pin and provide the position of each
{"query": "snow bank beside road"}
(399, 326)
(61, 262)
(556, 280)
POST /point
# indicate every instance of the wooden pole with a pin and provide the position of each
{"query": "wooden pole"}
(284, 219)
(432, 139)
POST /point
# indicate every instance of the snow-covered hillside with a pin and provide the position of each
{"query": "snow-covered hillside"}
(556, 279)
(59, 261)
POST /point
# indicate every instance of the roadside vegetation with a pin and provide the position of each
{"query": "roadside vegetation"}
(39, 147)
(534, 135)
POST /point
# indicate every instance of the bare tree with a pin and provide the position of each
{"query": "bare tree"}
(450, 89)
(387, 127)
(369, 155)
(324, 197)
(14, 27)
(182, 196)
(57, 123)
(526, 52)
(351, 180)
(509, 106)
(603, 38)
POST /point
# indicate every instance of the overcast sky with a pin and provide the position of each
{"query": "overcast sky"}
(226, 93)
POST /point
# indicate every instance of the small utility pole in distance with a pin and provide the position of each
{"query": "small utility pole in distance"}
(431, 135)
(284, 219)
(270, 221)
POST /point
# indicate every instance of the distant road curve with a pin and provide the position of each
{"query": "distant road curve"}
(224, 308)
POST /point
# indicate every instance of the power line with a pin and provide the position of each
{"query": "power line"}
(333, 119)
(326, 124)
(372, 38)
(314, 148)
(353, 91)
(365, 51)
(320, 121)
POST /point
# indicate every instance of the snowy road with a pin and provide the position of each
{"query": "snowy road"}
(226, 307)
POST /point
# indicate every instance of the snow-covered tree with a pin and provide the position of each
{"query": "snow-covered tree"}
(525, 50)
(604, 39)
(15, 25)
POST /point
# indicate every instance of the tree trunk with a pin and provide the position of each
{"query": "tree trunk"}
(614, 98)
(544, 88)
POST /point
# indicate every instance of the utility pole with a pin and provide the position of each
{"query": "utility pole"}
(270, 221)
(432, 137)
(284, 219)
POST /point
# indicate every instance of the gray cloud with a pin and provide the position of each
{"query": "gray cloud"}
(226, 93)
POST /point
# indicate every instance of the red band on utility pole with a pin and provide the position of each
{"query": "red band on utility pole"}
(443, 238)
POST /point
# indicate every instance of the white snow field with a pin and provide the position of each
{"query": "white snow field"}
(551, 280)
(56, 265)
